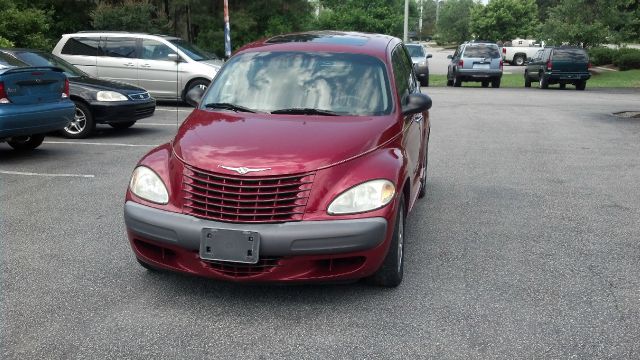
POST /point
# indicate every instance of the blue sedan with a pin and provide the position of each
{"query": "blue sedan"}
(33, 102)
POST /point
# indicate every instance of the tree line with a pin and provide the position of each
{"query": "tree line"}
(39, 23)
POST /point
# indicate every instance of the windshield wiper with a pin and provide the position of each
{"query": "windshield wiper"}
(229, 106)
(305, 111)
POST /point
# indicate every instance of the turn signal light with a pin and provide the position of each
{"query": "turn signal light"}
(65, 91)
(549, 65)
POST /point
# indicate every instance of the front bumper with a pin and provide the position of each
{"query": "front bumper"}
(122, 111)
(301, 251)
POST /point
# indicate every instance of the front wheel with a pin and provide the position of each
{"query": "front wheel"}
(201, 83)
(25, 143)
(122, 125)
(392, 269)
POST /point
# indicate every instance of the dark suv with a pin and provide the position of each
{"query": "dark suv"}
(475, 61)
(562, 65)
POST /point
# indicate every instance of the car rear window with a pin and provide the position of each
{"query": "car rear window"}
(86, 46)
(572, 55)
(481, 51)
(415, 51)
(346, 84)
(7, 60)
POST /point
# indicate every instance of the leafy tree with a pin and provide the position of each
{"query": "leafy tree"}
(376, 16)
(429, 8)
(5, 43)
(25, 27)
(544, 6)
(454, 20)
(505, 20)
(129, 16)
(577, 22)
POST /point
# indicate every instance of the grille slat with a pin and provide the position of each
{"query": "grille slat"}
(234, 198)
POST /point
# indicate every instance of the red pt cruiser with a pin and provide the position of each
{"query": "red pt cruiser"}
(299, 163)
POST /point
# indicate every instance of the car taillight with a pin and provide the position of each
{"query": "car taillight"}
(461, 63)
(589, 65)
(504, 50)
(3, 94)
(549, 65)
(65, 91)
(501, 65)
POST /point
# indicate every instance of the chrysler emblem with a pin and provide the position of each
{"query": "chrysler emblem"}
(243, 170)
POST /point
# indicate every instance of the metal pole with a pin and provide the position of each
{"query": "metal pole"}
(420, 22)
(227, 31)
(406, 20)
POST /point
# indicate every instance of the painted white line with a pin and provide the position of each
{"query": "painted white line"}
(174, 109)
(155, 124)
(97, 143)
(43, 174)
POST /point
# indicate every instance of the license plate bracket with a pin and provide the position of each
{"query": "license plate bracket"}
(230, 245)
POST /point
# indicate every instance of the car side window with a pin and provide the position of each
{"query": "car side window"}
(155, 50)
(86, 46)
(408, 64)
(121, 47)
(401, 73)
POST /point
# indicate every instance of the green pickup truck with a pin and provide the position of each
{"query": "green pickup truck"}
(560, 65)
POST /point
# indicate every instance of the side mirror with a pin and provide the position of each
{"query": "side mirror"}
(429, 56)
(194, 96)
(449, 56)
(174, 57)
(416, 103)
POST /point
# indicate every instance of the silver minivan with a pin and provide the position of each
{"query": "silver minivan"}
(168, 67)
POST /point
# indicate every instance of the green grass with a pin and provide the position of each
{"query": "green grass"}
(609, 79)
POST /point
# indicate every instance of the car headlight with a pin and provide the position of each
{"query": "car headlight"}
(146, 184)
(367, 196)
(110, 96)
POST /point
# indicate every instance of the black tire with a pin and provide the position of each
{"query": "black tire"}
(581, 85)
(147, 266)
(457, 82)
(495, 83)
(122, 125)
(527, 80)
(563, 86)
(449, 82)
(82, 124)
(544, 83)
(26, 143)
(518, 60)
(391, 271)
(485, 84)
(195, 83)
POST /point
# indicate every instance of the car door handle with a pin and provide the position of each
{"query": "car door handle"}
(418, 117)
(129, 64)
(145, 65)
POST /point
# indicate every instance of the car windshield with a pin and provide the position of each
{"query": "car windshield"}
(45, 59)
(192, 51)
(415, 50)
(481, 51)
(309, 83)
(572, 55)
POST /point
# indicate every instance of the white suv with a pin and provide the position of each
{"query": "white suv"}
(168, 67)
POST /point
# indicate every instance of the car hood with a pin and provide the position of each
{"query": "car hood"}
(91, 83)
(283, 144)
(418, 59)
(217, 63)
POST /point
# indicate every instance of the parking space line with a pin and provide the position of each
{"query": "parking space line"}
(45, 174)
(98, 143)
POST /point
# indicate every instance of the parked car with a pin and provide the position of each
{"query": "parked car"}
(33, 102)
(299, 163)
(166, 66)
(475, 61)
(420, 59)
(517, 52)
(97, 101)
(561, 65)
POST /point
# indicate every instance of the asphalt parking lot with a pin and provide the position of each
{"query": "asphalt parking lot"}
(526, 246)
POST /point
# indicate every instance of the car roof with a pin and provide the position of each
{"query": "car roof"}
(91, 33)
(330, 41)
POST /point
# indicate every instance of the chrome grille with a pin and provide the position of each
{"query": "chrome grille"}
(235, 198)
(139, 96)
